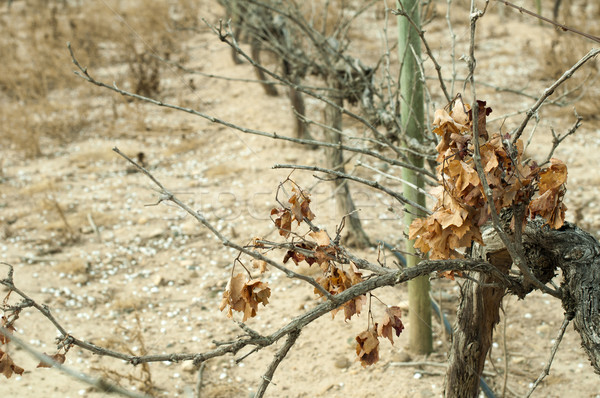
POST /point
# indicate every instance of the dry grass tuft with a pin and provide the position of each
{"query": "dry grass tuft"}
(110, 37)
(565, 49)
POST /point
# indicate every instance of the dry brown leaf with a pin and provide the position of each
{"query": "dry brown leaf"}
(367, 347)
(320, 237)
(391, 324)
(5, 339)
(283, 221)
(58, 357)
(353, 307)
(232, 296)
(553, 177)
(306, 211)
(253, 293)
(7, 366)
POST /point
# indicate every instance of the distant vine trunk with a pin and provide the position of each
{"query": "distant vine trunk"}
(355, 234)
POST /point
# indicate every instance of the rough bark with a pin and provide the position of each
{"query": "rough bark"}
(577, 253)
(569, 249)
(478, 314)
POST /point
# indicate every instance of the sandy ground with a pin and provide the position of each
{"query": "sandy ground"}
(151, 279)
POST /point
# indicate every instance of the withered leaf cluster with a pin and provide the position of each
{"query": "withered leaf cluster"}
(299, 209)
(367, 342)
(337, 273)
(243, 295)
(462, 206)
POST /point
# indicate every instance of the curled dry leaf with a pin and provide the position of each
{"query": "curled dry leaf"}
(450, 274)
(320, 237)
(244, 296)
(549, 204)
(391, 324)
(336, 281)
(367, 347)
(58, 358)
(8, 367)
(300, 201)
(283, 221)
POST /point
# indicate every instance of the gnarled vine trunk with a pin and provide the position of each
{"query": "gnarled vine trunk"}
(570, 249)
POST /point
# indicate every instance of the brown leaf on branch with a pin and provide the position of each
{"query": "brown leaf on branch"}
(232, 296)
(5, 324)
(352, 307)
(253, 293)
(482, 113)
(336, 281)
(300, 201)
(320, 237)
(367, 347)
(549, 204)
(306, 212)
(297, 256)
(391, 324)
(58, 357)
(553, 177)
(283, 221)
(244, 296)
(450, 274)
(462, 208)
(8, 367)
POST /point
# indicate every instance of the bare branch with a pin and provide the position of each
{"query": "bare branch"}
(84, 74)
(279, 356)
(168, 196)
(98, 383)
(401, 11)
(556, 139)
(373, 184)
(558, 25)
(550, 90)
(557, 341)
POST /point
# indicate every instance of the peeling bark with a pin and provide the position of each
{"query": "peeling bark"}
(478, 314)
(570, 249)
(577, 253)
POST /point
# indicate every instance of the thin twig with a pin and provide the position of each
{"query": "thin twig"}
(279, 356)
(395, 178)
(98, 383)
(302, 89)
(199, 380)
(94, 227)
(550, 90)
(84, 74)
(166, 195)
(373, 184)
(558, 25)
(556, 139)
(557, 341)
(401, 11)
